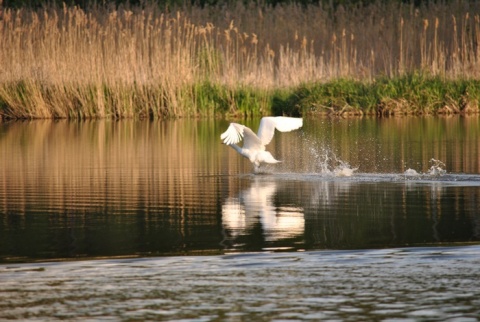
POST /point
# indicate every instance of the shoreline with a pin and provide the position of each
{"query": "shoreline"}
(414, 95)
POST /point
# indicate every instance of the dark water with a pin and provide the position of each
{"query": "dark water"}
(408, 189)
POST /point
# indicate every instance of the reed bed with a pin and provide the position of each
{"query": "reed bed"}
(143, 61)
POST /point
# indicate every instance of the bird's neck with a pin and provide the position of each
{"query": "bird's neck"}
(239, 150)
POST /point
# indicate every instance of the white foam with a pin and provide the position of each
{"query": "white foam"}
(411, 172)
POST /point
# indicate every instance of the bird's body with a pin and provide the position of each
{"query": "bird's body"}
(254, 144)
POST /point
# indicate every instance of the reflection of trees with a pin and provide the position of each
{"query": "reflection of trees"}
(254, 210)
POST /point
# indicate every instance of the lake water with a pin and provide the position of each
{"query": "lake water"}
(364, 218)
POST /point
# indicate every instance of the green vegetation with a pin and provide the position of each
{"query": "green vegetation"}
(239, 59)
(404, 95)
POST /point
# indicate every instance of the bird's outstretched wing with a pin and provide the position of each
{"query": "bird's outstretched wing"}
(268, 125)
(233, 134)
(236, 132)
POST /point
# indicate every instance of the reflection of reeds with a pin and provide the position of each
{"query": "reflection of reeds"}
(141, 61)
(128, 164)
(115, 183)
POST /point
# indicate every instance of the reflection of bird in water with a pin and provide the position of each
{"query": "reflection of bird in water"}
(255, 205)
(254, 144)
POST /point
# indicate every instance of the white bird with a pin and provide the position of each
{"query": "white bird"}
(254, 144)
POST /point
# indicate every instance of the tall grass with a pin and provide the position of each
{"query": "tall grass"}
(412, 94)
(147, 62)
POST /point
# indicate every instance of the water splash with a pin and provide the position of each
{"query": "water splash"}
(436, 170)
(326, 162)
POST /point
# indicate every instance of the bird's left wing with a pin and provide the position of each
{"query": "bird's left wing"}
(268, 125)
(236, 132)
(233, 134)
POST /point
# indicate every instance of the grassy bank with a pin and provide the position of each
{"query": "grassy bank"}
(236, 59)
(405, 95)
(412, 94)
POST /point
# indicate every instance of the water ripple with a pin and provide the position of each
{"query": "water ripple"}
(427, 283)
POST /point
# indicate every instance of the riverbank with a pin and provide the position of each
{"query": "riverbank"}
(406, 95)
(239, 60)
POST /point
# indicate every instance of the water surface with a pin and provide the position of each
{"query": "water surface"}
(406, 284)
(73, 190)
(364, 220)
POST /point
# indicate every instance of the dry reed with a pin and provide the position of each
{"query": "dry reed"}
(142, 61)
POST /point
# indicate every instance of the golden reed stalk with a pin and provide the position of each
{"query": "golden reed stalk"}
(143, 61)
